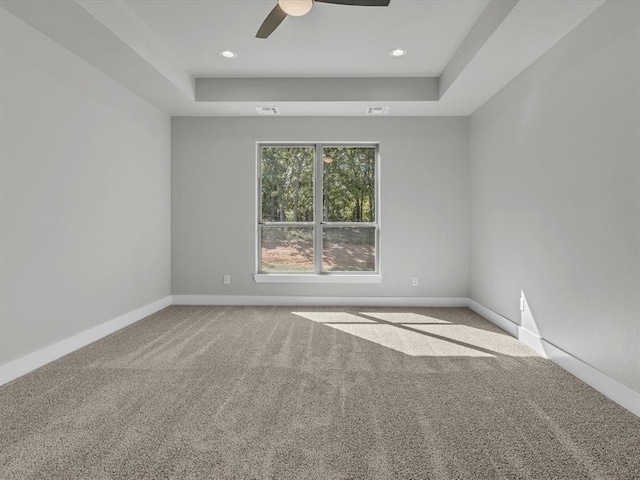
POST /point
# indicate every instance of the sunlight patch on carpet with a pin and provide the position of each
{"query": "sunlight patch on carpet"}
(403, 317)
(333, 317)
(408, 342)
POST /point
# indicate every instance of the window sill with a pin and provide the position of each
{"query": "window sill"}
(316, 278)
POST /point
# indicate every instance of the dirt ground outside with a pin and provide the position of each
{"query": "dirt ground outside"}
(298, 257)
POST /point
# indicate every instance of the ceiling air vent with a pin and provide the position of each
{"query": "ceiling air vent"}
(377, 110)
(267, 110)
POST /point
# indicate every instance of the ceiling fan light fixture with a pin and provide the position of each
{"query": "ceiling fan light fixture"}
(398, 52)
(295, 8)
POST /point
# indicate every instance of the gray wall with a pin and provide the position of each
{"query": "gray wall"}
(84, 195)
(423, 202)
(555, 202)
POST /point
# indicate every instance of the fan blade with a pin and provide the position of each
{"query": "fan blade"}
(272, 21)
(360, 3)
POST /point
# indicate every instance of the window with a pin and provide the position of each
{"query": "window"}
(318, 210)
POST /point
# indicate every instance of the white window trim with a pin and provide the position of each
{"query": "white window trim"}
(318, 276)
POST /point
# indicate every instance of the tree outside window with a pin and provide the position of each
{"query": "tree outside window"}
(329, 226)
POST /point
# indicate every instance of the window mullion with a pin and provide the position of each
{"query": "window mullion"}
(317, 205)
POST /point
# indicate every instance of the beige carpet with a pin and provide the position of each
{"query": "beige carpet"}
(311, 393)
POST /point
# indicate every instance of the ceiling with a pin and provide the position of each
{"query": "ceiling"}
(166, 51)
(331, 40)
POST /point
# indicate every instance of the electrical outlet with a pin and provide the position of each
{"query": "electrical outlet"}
(414, 281)
(522, 304)
(226, 280)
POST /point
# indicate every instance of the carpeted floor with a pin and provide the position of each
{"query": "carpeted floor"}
(311, 393)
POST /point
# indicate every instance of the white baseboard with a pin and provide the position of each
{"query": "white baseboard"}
(17, 368)
(498, 320)
(616, 391)
(532, 340)
(320, 301)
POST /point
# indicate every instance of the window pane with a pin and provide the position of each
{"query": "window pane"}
(287, 249)
(349, 184)
(287, 184)
(349, 249)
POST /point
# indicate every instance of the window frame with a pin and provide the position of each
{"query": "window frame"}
(318, 224)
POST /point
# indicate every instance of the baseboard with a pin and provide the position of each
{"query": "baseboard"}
(613, 389)
(320, 301)
(21, 366)
(498, 320)
(616, 391)
(532, 340)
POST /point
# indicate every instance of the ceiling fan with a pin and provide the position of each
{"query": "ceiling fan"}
(297, 8)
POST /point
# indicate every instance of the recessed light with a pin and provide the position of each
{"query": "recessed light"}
(398, 52)
(228, 54)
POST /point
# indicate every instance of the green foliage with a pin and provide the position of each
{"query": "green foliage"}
(349, 184)
(287, 184)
